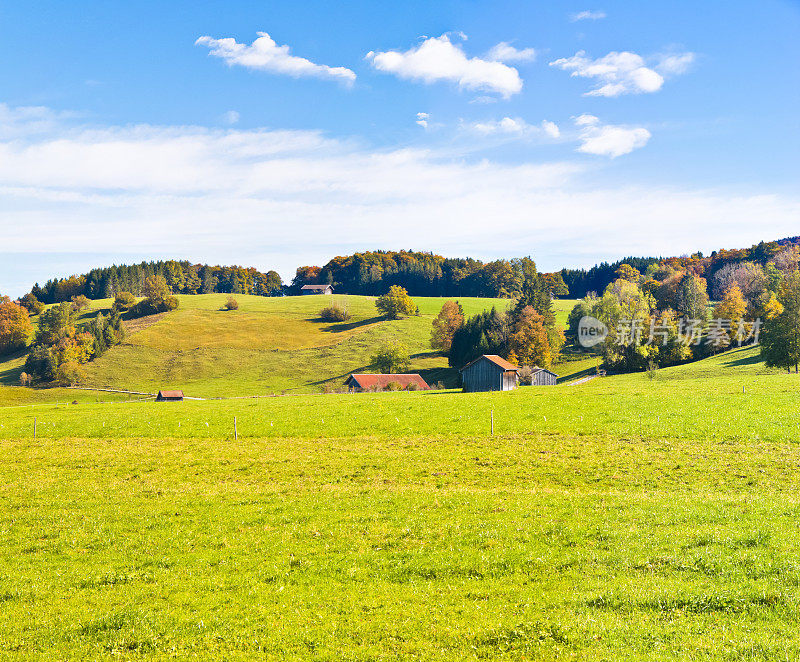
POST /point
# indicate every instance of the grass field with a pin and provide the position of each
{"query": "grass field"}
(625, 518)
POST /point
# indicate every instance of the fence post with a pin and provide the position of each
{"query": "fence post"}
(235, 431)
(493, 422)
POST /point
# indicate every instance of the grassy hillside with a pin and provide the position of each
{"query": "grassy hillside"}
(268, 345)
(627, 518)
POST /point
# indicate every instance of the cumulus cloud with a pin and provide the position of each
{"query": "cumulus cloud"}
(609, 140)
(588, 15)
(264, 54)
(551, 129)
(505, 52)
(422, 119)
(624, 72)
(438, 59)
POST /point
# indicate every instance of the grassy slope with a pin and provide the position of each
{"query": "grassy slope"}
(268, 345)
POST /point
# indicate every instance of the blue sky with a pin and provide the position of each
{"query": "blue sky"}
(574, 132)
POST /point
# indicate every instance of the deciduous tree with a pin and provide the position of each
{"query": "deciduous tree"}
(449, 320)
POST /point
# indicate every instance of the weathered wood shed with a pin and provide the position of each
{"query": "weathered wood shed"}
(316, 289)
(543, 377)
(169, 396)
(489, 373)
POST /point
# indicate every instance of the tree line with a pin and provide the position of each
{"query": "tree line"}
(422, 274)
(182, 277)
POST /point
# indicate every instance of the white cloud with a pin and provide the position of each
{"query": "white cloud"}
(674, 65)
(269, 198)
(265, 55)
(505, 52)
(230, 117)
(609, 140)
(588, 15)
(514, 126)
(623, 72)
(551, 129)
(422, 119)
(438, 59)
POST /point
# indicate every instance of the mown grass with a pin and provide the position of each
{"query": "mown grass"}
(426, 547)
(627, 518)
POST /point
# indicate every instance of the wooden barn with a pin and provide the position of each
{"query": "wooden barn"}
(489, 373)
(543, 377)
(169, 396)
(373, 382)
(316, 289)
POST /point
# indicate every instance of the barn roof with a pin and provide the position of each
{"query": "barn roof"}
(170, 394)
(499, 361)
(380, 381)
(536, 368)
(316, 287)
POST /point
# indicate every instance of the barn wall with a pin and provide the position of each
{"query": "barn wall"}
(486, 376)
(482, 376)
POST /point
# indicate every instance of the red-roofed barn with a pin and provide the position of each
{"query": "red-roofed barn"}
(378, 382)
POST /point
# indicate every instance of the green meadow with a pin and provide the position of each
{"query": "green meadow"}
(631, 517)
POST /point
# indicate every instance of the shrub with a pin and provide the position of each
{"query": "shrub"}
(525, 375)
(391, 358)
(25, 379)
(412, 387)
(70, 373)
(79, 303)
(33, 304)
(231, 304)
(334, 313)
(393, 386)
(124, 300)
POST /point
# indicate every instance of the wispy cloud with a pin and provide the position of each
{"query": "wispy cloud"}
(513, 126)
(505, 52)
(230, 117)
(269, 197)
(608, 139)
(438, 59)
(623, 72)
(422, 119)
(264, 54)
(587, 15)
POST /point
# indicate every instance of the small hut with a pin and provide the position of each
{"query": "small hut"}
(543, 377)
(316, 289)
(357, 382)
(169, 396)
(489, 373)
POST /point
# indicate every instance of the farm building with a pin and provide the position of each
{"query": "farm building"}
(169, 396)
(316, 289)
(367, 382)
(543, 377)
(489, 373)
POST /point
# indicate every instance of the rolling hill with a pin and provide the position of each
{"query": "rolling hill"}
(268, 345)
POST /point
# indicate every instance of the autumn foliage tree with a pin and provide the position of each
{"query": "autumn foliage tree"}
(449, 320)
(396, 303)
(528, 343)
(15, 326)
